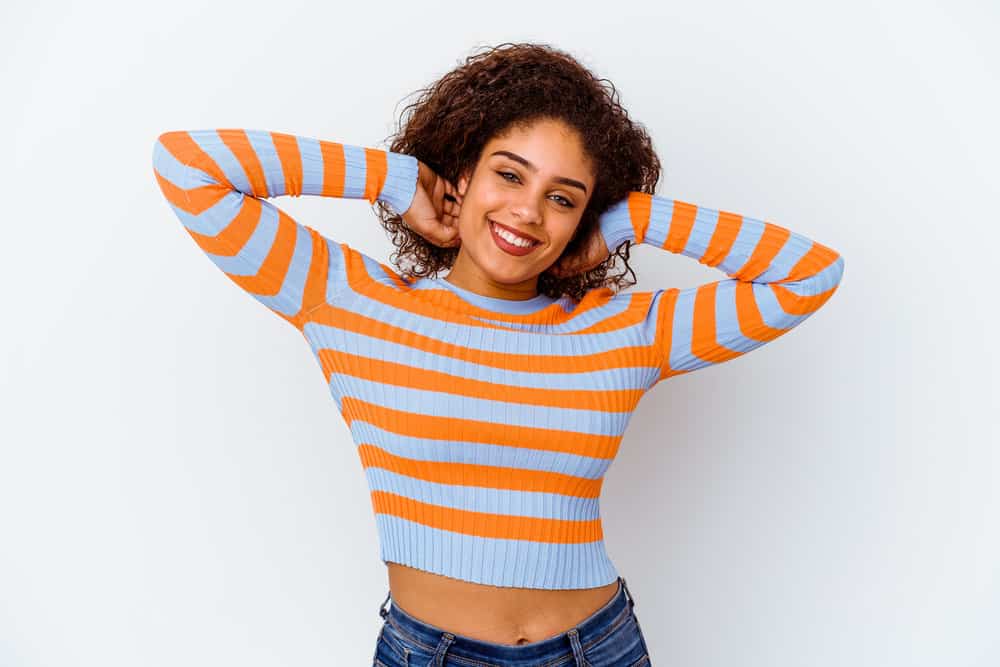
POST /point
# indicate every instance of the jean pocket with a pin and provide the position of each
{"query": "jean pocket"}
(623, 644)
(396, 649)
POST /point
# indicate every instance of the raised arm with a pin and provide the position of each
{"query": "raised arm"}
(216, 181)
(777, 278)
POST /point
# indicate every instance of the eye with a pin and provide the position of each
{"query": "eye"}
(565, 203)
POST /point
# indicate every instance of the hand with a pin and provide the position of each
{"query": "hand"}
(433, 214)
(593, 252)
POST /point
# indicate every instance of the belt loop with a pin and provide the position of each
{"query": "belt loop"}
(628, 593)
(442, 648)
(574, 642)
(381, 609)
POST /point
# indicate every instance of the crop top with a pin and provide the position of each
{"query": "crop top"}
(484, 425)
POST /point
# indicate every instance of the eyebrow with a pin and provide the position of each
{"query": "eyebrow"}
(559, 179)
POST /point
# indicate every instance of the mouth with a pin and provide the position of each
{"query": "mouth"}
(511, 242)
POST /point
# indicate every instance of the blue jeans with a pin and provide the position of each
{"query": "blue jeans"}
(610, 637)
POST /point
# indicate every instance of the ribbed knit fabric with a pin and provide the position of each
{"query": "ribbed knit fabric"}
(485, 426)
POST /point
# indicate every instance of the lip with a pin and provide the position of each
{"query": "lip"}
(507, 247)
(512, 230)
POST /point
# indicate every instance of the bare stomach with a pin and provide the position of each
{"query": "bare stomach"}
(500, 615)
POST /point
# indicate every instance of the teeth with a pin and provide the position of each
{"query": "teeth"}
(512, 238)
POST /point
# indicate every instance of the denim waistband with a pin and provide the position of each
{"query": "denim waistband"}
(590, 630)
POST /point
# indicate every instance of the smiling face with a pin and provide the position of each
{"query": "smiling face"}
(530, 186)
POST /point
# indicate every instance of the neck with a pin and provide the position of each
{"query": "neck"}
(469, 276)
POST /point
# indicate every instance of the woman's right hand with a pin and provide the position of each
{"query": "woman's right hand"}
(433, 213)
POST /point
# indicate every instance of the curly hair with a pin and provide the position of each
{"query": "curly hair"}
(512, 85)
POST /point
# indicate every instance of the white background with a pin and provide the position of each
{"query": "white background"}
(178, 488)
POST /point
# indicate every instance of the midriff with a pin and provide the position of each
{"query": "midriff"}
(500, 615)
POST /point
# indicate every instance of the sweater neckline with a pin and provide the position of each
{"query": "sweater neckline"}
(496, 304)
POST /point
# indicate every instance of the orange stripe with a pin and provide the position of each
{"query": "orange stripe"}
(376, 167)
(334, 168)
(186, 151)
(794, 304)
(287, 147)
(681, 224)
(403, 375)
(727, 228)
(239, 143)
(704, 341)
(347, 320)
(640, 204)
(751, 320)
(482, 476)
(818, 258)
(418, 425)
(483, 524)
(314, 292)
(269, 278)
(445, 306)
(664, 330)
(635, 313)
(770, 244)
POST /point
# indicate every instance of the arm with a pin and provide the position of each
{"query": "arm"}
(216, 181)
(777, 279)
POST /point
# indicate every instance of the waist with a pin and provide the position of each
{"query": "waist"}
(496, 614)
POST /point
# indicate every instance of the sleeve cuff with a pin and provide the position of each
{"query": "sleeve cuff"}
(400, 181)
(616, 225)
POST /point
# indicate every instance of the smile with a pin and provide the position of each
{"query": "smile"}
(510, 242)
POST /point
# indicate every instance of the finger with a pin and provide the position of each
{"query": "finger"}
(448, 231)
(456, 194)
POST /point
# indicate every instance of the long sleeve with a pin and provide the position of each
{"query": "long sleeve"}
(777, 279)
(216, 181)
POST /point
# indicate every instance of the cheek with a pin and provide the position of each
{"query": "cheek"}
(563, 234)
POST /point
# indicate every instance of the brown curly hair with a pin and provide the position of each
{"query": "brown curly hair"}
(510, 85)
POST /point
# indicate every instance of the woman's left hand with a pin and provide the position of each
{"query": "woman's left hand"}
(594, 252)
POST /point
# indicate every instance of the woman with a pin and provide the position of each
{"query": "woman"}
(488, 405)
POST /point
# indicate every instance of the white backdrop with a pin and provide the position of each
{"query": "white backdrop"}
(177, 487)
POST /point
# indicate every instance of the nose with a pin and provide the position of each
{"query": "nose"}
(526, 208)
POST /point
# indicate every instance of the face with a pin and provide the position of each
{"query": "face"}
(531, 182)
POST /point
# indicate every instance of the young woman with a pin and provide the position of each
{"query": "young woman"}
(488, 405)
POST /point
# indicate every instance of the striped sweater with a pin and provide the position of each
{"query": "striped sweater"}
(485, 426)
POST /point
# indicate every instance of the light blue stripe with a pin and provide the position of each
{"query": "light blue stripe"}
(400, 181)
(743, 247)
(356, 171)
(253, 253)
(477, 338)
(180, 175)
(615, 225)
(795, 247)
(660, 216)
(262, 144)
(770, 308)
(705, 222)
(312, 165)
(466, 451)
(826, 279)
(497, 562)
(728, 333)
(536, 504)
(210, 142)
(381, 350)
(442, 404)
(215, 219)
(680, 337)
(336, 275)
(612, 310)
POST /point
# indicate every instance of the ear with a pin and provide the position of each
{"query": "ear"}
(462, 184)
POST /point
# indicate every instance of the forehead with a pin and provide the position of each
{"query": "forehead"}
(550, 145)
